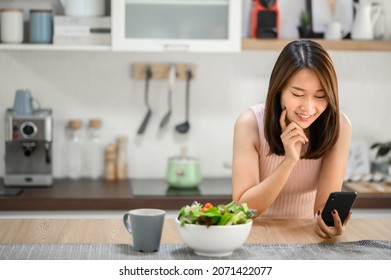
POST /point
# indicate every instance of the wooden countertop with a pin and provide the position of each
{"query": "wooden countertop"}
(112, 231)
(137, 193)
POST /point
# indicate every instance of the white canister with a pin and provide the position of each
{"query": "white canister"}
(11, 26)
(84, 8)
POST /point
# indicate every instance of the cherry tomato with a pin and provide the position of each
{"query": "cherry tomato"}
(206, 206)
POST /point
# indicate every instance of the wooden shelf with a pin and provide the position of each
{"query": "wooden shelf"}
(331, 45)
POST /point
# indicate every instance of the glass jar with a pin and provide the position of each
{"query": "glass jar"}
(94, 156)
(73, 156)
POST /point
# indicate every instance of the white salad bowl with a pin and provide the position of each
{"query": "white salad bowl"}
(214, 241)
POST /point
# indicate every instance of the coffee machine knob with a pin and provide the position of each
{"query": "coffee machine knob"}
(28, 129)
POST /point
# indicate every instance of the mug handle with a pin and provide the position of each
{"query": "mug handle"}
(38, 108)
(126, 222)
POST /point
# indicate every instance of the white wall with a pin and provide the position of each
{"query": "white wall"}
(99, 84)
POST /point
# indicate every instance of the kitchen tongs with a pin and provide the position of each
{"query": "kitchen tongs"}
(148, 76)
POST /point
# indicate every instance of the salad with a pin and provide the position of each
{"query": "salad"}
(221, 215)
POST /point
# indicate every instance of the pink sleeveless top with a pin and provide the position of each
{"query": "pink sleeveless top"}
(296, 200)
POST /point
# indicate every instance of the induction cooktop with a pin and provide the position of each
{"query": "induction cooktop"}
(159, 187)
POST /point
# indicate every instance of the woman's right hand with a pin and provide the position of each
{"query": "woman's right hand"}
(326, 232)
(293, 138)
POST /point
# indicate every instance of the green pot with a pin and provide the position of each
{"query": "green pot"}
(183, 172)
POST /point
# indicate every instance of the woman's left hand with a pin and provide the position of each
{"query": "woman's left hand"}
(326, 232)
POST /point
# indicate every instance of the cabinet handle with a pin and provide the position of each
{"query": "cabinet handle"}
(169, 47)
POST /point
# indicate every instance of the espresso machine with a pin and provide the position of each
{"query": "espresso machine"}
(28, 149)
(265, 20)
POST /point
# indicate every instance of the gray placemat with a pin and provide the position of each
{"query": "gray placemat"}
(358, 250)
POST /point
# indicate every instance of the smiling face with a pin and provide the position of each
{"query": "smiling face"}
(303, 98)
(303, 81)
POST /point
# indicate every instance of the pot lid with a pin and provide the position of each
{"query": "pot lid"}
(183, 157)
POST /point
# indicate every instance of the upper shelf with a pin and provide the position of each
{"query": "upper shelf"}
(247, 44)
(50, 47)
(331, 45)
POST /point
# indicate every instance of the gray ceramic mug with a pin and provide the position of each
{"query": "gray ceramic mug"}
(146, 226)
(23, 102)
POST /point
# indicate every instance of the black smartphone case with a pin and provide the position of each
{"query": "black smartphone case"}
(340, 201)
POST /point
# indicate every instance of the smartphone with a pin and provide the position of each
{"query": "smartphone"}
(340, 201)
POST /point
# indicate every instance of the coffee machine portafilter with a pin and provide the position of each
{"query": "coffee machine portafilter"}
(28, 149)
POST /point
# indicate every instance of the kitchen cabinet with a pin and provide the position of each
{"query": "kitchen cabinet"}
(171, 25)
(165, 25)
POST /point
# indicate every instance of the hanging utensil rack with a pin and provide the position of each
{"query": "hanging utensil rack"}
(161, 71)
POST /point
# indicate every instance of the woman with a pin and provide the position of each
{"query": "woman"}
(292, 151)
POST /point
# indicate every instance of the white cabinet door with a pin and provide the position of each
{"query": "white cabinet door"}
(176, 25)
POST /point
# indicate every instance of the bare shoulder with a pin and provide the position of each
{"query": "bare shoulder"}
(247, 119)
(345, 124)
(246, 128)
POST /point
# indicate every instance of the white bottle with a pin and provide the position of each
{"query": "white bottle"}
(73, 156)
(94, 151)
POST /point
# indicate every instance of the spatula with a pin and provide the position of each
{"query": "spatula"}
(148, 75)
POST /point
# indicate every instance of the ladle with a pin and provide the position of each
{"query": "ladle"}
(148, 75)
(171, 83)
(184, 127)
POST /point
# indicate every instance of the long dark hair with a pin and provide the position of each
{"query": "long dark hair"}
(298, 55)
